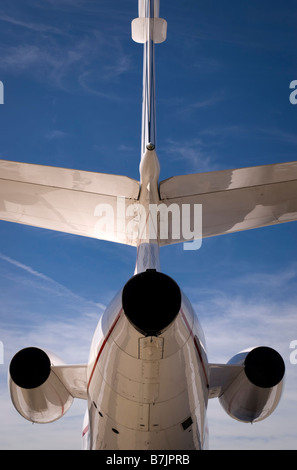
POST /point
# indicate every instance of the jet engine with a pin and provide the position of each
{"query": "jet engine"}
(255, 392)
(36, 391)
(160, 300)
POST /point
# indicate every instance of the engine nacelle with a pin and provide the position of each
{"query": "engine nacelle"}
(255, 392)
(36, 391)
(160, 300)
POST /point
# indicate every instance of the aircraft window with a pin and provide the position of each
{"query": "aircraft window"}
(115, 430)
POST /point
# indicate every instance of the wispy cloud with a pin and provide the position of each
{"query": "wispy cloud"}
(21, 57)
(267, 282)
(39, 27)
(50, 63)
(197, 154)
(118, 67)
(49, 292)
(56, 134)
(205, 103)
(24, 267)
(212, 100)
(58, 288)
(52, 55)
(280, 135)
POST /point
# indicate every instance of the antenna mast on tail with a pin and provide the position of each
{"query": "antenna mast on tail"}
(148, 29)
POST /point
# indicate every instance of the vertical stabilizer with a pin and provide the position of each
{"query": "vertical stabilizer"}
(148, 24)
(148, 29)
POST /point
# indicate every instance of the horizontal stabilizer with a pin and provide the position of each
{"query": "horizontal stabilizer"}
(235, 200)
(143, 29)
(72, 201)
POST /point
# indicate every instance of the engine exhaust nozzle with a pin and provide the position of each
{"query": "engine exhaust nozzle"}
(264, 367)
(30, 368)
(151, 300)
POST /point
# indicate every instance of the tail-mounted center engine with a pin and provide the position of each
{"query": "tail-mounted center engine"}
(253, 392)
(159, 297)
(36, 391)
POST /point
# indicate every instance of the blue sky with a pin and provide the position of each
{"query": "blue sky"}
(72, 81)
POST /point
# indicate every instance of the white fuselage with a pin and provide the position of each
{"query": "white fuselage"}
(147, 392)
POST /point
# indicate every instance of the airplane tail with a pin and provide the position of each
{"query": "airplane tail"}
(108, 207)
(120, 209)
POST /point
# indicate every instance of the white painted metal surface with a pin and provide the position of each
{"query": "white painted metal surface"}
(234, 200)
(70, 201)
(135, 399)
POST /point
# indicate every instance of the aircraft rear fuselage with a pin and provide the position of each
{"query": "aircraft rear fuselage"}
(147, 392)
